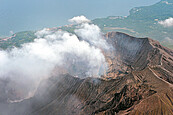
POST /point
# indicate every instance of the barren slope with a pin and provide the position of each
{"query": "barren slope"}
(139, 81)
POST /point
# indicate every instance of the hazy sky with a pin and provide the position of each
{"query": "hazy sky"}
(20, 15)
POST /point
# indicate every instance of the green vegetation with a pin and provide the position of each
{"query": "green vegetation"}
(142, 22)
(18, 39)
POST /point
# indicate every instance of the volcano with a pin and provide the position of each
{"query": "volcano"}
(139, 80)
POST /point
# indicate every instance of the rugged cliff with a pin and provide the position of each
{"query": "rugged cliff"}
(139, 81)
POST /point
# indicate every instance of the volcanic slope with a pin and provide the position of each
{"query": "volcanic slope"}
(139, 81)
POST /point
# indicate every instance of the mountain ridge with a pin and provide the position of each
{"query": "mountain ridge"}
(139, 81)
(141, 22)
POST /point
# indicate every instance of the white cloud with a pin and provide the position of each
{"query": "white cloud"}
(79, 20)
(92, 34)
(168, 40)
(42, 33)
(27, 65)
(39, 58)
(166, 2)
(167, 23)
(11, 32)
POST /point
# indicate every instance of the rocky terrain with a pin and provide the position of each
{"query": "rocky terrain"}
(139, 81)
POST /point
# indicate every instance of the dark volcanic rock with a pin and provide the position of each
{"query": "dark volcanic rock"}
(139, 81)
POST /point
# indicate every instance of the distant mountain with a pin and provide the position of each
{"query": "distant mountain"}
(161, 11)
(22, 15)
(142, 22)
(139, 81)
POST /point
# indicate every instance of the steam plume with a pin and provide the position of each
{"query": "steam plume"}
(54, 51)
(79, 20)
